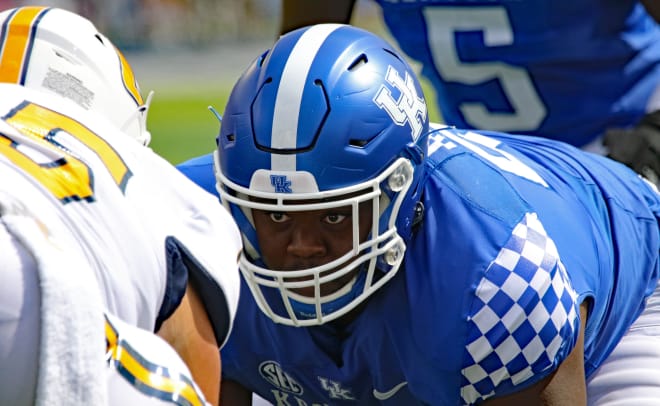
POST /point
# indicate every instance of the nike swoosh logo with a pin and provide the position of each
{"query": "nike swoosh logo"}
(386, 395)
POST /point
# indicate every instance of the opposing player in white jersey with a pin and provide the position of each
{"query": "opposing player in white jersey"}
(144, 245)
(57, 356)
(123, 232)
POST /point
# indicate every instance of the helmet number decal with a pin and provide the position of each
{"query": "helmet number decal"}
(408, 107)
(41, 126)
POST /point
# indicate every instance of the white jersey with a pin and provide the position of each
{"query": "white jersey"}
(137, 221)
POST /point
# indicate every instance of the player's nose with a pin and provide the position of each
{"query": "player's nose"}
(306, 242)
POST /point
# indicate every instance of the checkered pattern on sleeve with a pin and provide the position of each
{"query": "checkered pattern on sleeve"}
(524, 312)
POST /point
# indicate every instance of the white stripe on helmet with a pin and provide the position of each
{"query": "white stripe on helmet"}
(290, 92)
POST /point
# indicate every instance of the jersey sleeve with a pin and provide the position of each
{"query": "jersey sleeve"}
(200, 170)
(201, 241)
(208, 242)
(524, 318)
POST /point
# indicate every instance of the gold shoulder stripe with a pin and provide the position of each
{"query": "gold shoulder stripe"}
(149, 378)
(16, 40)
(110, 335)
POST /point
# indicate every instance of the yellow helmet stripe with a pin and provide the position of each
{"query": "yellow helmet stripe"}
(16, 40)
(147, 377)
(127, 76)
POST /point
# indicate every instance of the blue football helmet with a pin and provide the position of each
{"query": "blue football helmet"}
(330, 116)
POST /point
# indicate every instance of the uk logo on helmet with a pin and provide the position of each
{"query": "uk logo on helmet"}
(408, 108)
(281, 184)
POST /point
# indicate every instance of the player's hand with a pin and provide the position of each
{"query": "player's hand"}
(638, 147)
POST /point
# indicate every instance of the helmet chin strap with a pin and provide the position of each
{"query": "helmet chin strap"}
(305, 308)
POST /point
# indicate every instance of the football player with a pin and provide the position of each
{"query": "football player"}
(149, 246)
(586, 73)
(391, 261)
(160, 254)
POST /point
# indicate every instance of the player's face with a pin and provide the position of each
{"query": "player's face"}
(298, 240)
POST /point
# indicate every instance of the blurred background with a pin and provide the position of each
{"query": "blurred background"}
(190, 52)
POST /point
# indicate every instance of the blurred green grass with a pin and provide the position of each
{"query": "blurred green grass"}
(182, 127)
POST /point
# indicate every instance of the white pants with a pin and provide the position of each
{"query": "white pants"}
(630, 376)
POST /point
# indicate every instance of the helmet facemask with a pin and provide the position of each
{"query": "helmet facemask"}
(136, 123)
(329, 120)
(370, 263)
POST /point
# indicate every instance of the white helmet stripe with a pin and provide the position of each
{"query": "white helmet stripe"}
(290, 92)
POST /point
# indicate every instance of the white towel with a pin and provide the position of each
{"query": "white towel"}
(72, 350)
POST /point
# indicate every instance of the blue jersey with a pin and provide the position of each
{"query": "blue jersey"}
(565, 71)
(517, 233)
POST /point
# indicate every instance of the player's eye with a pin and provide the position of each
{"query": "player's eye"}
(335, 218)
(278, 217)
